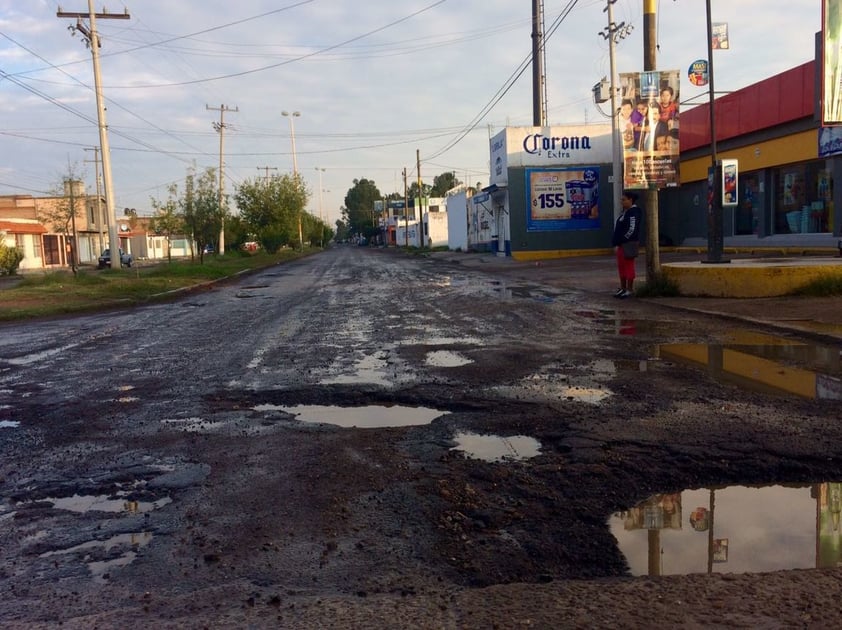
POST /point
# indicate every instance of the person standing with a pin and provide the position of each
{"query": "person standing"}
(626, 241)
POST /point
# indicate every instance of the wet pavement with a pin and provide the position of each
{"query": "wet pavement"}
(596, 274)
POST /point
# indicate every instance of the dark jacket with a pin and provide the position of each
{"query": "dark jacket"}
(627, 227)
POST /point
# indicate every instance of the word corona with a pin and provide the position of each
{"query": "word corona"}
(536, 143)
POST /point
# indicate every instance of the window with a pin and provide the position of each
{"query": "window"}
(20, 242)
(747, 212)
(803, 201)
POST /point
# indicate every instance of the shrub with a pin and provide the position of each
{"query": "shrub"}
(824, 286)
(10, 259)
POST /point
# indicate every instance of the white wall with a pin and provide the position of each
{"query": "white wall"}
(457, 221)
(437, 229)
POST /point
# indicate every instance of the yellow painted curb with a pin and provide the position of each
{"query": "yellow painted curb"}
(749, 278)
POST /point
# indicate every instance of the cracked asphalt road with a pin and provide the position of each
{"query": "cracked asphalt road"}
(156, 469)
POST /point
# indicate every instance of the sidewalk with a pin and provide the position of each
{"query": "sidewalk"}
(597, 275)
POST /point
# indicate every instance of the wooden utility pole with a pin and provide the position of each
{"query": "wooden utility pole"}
(220, 127)
(93, 42)
(539, 87)
(650, 197)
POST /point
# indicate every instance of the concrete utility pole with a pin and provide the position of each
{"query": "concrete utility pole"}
(99, 216)
(220, 128)
(420, 200)
(93, 42)
(267, 169)
(613, 33)
(405, 210)
(539, 88)
(650, 197)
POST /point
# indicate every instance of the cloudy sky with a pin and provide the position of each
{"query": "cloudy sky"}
(373, 81)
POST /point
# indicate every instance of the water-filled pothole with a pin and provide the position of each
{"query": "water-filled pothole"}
(765, 363)
(496, 448)
(736, 529)
(368, 417)
(100, 569)
(446, 358)
(104, 503)
(9, 424)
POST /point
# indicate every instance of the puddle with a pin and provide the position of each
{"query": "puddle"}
(100, 569)
(369, 417)
(9, 424)
(495, 448)
(592, 395)
(819, 327)
(737, 529)
(103, 503)
(765, 363)
(445, 358)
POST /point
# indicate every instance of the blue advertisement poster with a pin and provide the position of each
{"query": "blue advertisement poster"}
(562, 199)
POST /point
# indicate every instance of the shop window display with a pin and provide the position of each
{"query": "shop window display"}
(803, 198)
(747, 212)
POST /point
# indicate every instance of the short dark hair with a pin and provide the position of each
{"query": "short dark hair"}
(630, 194)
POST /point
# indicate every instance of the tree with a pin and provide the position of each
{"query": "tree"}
(412, 190)
(359, 207)
(442, 183)
(271, 209)
(200, 208)
(167, 220)
(62, 212)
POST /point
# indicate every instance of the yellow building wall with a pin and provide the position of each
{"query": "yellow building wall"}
(795, 148)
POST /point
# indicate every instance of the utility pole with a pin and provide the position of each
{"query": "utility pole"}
(99, 216)
(321, 220)
(653, 255)
(539, 88)
(220, 128)
(93, 42)
(267, 169)
(614, 33)
(420, 199)
(405, 210)
(715, 236)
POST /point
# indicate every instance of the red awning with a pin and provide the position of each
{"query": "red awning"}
(15, 227)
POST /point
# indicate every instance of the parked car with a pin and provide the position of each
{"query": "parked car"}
(104, 260)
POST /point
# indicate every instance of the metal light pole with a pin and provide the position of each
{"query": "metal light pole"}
(295, 169)
(715, 236)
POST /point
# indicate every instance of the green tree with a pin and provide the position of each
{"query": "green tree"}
(272, 209)
(359, 207)
(167, 220)
(200, 209)
(442, 183)
(67, 197)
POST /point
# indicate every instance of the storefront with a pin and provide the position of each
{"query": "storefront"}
(785, 187)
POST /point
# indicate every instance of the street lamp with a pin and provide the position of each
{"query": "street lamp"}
(292, 137)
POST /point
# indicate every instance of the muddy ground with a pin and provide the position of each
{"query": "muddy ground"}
(217, 506)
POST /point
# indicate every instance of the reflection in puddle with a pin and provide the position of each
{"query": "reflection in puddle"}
(495, 448)
(369, 417)
(765, 363)
(100, 569)
(9, 424)
(733, 530)
(445, 358)
(591, 395)
(103, 503)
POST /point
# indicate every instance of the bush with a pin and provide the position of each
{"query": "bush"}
(10, 259)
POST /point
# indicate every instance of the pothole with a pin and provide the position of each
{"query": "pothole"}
(105, 503)
(736, 529)
(9, 424)
(367, 417)
(496, 448)
(100, 569)
(446, 358)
